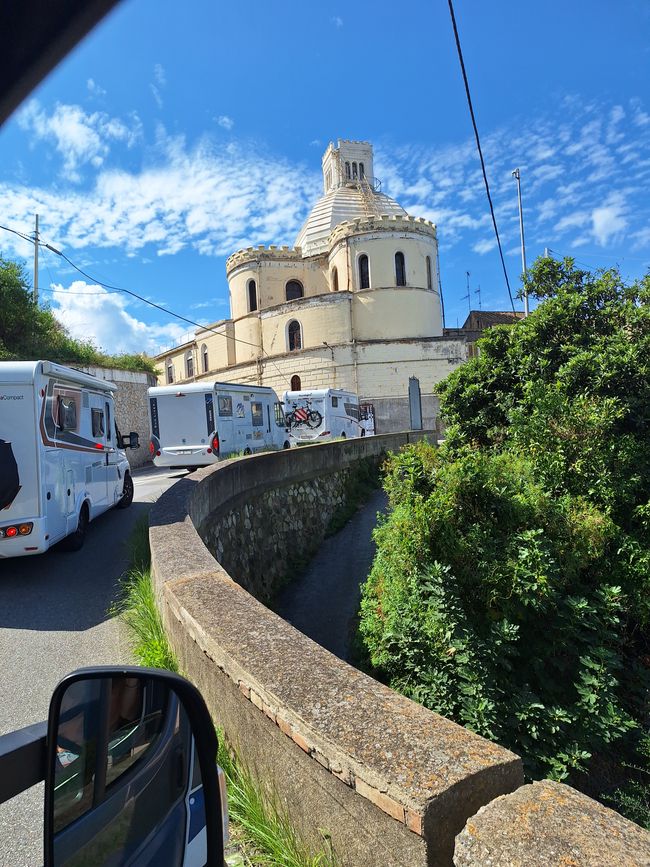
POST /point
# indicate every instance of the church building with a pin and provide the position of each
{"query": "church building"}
(354, 304)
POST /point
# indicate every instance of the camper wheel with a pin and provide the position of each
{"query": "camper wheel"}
(287, 444)
(74, 542)
(343, 435)
(247, 451)
(127, 493)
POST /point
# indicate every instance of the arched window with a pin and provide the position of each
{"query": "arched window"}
(189, 364)
(294, 337)
(400, 270)
(347, 171)
(429, 282)
(252, 296)
(294, 290)
(364, 272)
(362, 171)
(170, 372)
(295, 382)
(335, 280)
(204, 359)
(354, 170)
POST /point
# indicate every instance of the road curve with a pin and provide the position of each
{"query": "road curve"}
(53, 619)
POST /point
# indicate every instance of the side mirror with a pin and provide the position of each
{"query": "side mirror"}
(131, 774)
(130, 441)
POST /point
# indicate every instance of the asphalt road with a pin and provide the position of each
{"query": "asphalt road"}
(54, 618)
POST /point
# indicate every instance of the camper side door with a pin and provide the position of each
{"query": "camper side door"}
(94, 418)
(224, 422)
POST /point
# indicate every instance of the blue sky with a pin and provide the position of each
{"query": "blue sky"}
(178, 133)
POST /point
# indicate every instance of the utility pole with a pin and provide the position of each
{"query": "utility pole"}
(36, 261)
(517, 175)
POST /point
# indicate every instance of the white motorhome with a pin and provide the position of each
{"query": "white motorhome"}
(62, 460)
(322, 414)
(200, 423)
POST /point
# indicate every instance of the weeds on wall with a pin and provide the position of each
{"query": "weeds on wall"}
(261, 832)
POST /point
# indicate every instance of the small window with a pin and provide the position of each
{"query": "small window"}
(354, 171)
(189, 365)
(347, 171)
(204, 358)
(400, 270)
(252, 296)
(294, 290)
(295, 338)
(364, 272)
(97, 416)
(170, 373)
(295, 383)
(335, 280)
(224, 403)
(280, 418)
(335, 401)
(429, 282)
(257, 413)
(362, 171)
(108, 422)
(67, 412)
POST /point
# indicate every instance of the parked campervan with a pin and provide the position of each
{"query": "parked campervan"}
(62, 460)
(322, 414)
(198, 424)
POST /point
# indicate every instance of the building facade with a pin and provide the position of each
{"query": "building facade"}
(355, 304)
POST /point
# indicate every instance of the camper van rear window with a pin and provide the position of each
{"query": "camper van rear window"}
(352, 410)
(257, 413)
(225, 404)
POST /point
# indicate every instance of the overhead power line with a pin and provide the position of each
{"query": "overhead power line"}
(480, 152)
(116, 289)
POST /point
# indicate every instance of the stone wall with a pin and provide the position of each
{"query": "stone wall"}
(388, 781)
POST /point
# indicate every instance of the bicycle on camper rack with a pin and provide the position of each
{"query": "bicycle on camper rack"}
(303, 415)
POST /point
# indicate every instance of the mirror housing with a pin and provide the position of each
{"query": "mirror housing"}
(131, 773)
(130, 440)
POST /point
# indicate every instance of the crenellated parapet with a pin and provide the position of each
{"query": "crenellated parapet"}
(383, 222)
(262, 253)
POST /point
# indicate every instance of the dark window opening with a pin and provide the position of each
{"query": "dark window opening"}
(429, 283)
(400, 270)
(252, 296)
(257, 412)
(170, 373)
(354, 171)
(335, 280)
(295, 338)
(347, 171)
(294, 290)
(364, 272)
(204, 358)
(224, 405)
(295, 383)
(189, 365)
(97, 416)
(362, 171)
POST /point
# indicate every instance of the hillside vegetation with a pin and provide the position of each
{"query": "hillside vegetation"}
(29, 332)
(511, 585)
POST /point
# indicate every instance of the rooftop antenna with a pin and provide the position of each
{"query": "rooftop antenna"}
(478, 292)
(468, 297)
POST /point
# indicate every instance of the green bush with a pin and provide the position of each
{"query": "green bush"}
(511, 585)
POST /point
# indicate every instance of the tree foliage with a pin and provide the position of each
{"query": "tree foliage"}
(511, 585)
(29, 332)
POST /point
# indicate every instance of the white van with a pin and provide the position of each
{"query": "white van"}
(62, 461)
(200, 423)
(322, 414)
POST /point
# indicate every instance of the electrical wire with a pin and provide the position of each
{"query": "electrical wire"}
(480, 152)
(116, 289)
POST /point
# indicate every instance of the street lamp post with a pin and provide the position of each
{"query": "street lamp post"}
(517, 175)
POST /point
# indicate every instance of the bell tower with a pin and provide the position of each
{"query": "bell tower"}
(348, 163)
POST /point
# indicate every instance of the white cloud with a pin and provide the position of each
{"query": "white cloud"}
(484, 246)
(79, 137)
(89, 312)
(158, 84)
(94, 89)
(226, 122)
(336, 21)
(608, 221)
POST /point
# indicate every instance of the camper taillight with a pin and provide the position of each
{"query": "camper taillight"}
(16, 530)
(215, 444)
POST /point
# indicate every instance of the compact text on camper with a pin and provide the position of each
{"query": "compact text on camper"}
(198, 424)
(62, 459)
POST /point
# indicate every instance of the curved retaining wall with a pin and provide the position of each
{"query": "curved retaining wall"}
(388, 781)
(385, 780)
